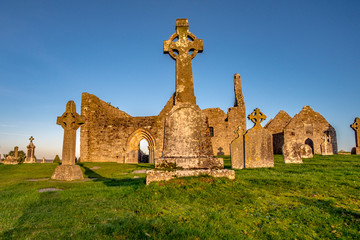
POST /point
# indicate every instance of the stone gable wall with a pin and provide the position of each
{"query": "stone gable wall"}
(309, 125)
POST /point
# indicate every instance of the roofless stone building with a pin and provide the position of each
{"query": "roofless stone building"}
(112, 135)
(306, 127)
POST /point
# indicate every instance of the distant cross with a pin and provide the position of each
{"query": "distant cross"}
(356, 127)
(257, 117)
(70, 121)
(326, 138)
(31, 139)
(183, 47)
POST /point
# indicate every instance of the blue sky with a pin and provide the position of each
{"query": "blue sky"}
(288, 53)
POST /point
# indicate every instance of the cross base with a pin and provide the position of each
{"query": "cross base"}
(163, 175)
(67, 173)
(189, 163)
(30, 160)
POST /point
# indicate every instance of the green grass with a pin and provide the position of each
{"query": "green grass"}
(319, 199)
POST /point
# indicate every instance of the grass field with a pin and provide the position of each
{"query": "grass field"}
(319, 199)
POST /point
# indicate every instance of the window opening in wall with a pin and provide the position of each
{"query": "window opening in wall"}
(211, 131)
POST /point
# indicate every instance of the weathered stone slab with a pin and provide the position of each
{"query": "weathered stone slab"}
(258, 143)
(237, 150)
(306, 151)
(67, 173)
(326, 146)
(190, 163)
(158, 175)
(291, 152)
(187, 133)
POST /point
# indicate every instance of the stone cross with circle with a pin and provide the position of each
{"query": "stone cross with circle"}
(183, 47)
(257, 117)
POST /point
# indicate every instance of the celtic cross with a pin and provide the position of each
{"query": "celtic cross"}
(183, 47)
(257, 117)
(356, 127)
(70, 121)
(31, 139)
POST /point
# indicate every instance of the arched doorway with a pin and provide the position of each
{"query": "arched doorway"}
(310, 143)
(133, 151)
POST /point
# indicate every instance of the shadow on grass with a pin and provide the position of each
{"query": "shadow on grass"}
(330, 207)
(113, 182)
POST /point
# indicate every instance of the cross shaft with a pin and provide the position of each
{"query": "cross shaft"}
(356, 127)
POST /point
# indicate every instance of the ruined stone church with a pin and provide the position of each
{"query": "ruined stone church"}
(112, 135)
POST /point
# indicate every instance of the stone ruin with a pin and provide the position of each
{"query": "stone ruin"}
(12, 160)
(258, 143)
(306, 127)
(356, 127)
(111, 135)
(70, 121)
(276, 126)
(30, 156)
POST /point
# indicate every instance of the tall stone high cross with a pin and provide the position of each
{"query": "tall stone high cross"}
(70, 121)
(257, 117)
(183, 47)
(356, 127)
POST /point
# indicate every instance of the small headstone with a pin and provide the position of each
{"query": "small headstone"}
(237, 150)
(306, 151)
(326, 146)
(291, 152)
(43, 160)
(258, 143)
(30, 156)
(70, 122)
(356, 127)
(12, 160)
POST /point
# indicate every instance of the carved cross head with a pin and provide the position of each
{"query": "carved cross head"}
(356, 124)
(70, 120)
(257, 117)
(183, 45)
(239, 131)
(31, 139)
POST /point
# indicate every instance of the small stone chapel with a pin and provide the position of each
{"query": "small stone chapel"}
(112, 135)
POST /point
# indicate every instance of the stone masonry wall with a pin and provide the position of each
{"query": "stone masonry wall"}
(309, 127)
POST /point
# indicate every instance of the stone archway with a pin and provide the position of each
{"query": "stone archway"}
(132, 146)
(310, 143)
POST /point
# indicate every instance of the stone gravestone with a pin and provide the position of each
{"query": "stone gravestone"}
(237, 150)
(291, 152)
(258, 143)
(12, 160)
(30, 156)
(356, 127)
(187, 145)
(326, 146)
(70, 121)
(306, 151)
(43, 160)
